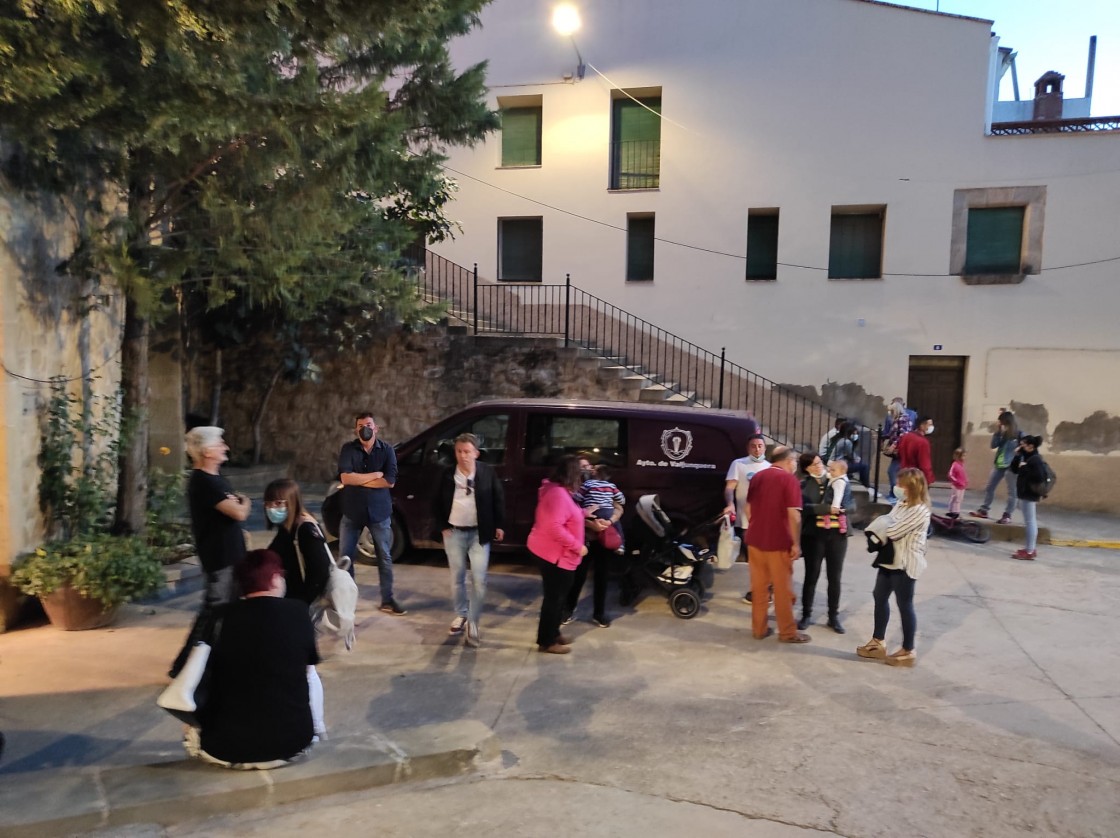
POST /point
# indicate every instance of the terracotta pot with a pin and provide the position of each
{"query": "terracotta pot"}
(70, 611)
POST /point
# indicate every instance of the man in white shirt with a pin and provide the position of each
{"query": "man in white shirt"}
(735, 489)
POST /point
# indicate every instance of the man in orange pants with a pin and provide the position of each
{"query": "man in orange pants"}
(773, 533)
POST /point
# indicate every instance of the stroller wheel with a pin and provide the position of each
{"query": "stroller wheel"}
(685, 603)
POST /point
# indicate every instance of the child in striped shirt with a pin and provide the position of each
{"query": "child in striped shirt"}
(598, 496)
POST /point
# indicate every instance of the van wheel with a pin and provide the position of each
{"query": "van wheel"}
(685, 603)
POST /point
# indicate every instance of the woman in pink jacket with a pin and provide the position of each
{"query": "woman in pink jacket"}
(556, 539)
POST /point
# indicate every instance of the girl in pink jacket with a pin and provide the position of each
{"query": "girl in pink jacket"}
(556, 540)
(958, 477)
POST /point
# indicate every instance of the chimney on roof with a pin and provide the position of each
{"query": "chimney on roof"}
(1048, 96)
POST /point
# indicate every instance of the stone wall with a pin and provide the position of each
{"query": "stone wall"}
(51, 325)
(408, 381)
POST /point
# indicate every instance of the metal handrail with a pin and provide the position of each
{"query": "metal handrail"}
(683, 368)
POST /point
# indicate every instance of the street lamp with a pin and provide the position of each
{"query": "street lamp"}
(565, 20)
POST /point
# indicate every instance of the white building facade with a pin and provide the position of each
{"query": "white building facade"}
(813, 185)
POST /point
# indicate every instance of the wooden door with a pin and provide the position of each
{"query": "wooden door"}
(936, 388)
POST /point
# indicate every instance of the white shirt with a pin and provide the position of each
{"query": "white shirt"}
(741, 471)
(839, 485)
(464, 512)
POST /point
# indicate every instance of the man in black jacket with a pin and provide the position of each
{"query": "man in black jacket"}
(470, 513)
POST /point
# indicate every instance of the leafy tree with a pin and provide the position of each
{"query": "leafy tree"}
(260, 157)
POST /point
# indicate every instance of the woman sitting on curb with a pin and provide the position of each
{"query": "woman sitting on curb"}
(260, 707)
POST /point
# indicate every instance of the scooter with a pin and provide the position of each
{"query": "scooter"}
(975, 531)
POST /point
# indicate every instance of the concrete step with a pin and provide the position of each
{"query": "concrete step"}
(655, 393)
(166, 793)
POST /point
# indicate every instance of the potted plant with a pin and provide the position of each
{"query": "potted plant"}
(83, 581)
(83, 574)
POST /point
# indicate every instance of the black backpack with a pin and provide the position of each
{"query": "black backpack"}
(1044, 487)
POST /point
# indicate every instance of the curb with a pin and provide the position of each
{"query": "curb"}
(186, 790)
(1078, 542)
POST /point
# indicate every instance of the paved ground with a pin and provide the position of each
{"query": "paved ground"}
(1009, 725)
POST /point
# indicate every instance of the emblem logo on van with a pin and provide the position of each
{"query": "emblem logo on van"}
(676, 443)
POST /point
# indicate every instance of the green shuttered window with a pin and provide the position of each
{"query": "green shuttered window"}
(762, 246)
(995, 240)
(855, 246)
(520, 248)
(521, 136)
(636, 143)
(639, 248)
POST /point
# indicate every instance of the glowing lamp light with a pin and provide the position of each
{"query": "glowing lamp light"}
(565, 19)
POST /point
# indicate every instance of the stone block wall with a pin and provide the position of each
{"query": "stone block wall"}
(51, 324)
(408, 381)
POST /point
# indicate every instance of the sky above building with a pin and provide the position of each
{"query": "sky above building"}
(1050, 35)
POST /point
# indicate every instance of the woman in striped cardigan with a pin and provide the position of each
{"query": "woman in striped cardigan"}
(907, 528)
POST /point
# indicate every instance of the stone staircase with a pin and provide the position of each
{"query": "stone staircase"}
(630, 357)
(646, 387)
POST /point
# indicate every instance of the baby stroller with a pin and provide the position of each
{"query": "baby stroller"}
(675, 559)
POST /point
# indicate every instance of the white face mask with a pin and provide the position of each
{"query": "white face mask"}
(755, 459)
(900, 493)
(854, 437)
(929, 430)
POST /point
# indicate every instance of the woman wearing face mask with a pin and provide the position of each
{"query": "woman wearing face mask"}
(284, 509)
(823, 538)
(1029, 470)
(845, 450)
(906, 526)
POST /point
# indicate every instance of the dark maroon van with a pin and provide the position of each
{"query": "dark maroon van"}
(679, 453)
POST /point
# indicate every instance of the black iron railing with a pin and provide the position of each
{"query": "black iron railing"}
(636, 164)
(701, 377)
(1074, 125)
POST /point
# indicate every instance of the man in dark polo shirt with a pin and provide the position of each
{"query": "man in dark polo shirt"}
(367, 467)
(773, 534)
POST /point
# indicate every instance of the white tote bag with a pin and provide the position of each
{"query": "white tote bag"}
(178, 698)
(727, 550)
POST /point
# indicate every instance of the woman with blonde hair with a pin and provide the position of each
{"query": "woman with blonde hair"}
(905, 526)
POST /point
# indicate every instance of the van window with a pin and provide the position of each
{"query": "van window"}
(491, 431)
(550, 437)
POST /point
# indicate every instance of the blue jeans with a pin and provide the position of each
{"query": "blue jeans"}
(461, 546)
(902, 586)
(1010, 478)
(1030, 519)
(382, 535)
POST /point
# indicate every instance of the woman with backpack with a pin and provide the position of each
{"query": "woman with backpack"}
(1031, 480)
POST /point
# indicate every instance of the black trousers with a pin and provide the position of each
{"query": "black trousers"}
(597, 561)
(556, 583)
(829, 547)
(221, 589)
